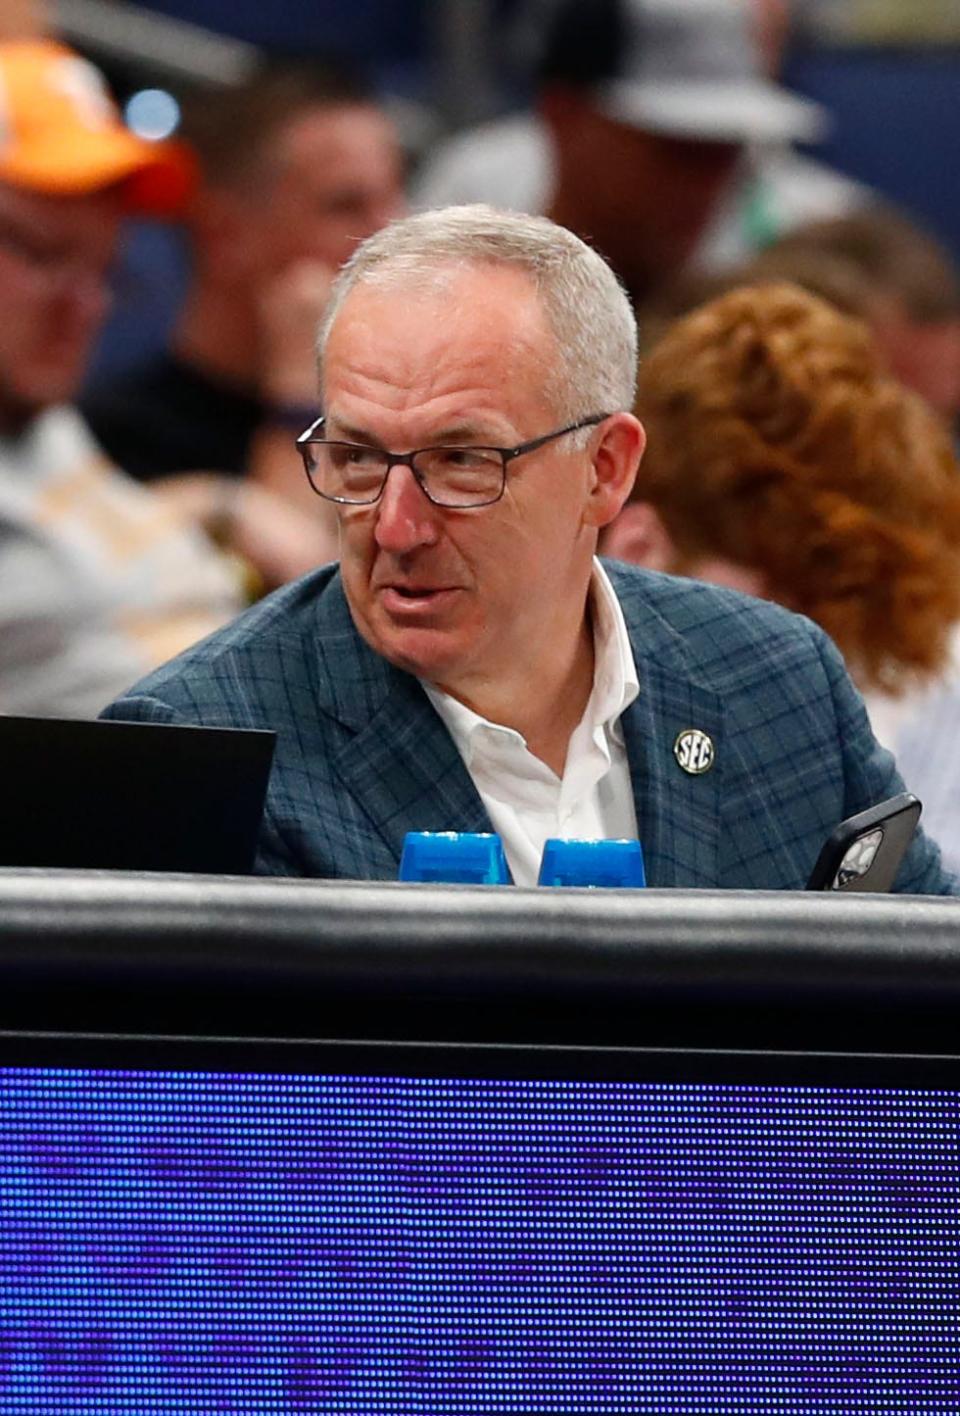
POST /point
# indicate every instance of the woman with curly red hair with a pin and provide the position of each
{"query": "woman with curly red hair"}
(783, 460)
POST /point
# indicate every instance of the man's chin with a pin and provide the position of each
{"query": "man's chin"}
(426, 652)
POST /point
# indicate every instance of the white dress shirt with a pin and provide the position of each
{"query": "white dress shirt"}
(525, 800)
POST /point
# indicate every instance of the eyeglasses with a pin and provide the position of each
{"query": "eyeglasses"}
(455, 477)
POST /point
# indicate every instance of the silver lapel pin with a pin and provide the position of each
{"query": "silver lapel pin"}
(694, 751)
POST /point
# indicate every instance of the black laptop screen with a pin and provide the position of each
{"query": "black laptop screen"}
(203, 1240)
(131, 796)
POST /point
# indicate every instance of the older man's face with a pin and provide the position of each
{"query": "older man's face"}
(55, 259)
(466, 599)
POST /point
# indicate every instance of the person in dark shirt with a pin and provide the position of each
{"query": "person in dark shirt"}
(167, 416)
(298, 165)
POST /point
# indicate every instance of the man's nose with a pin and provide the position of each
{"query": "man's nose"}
(406, 518)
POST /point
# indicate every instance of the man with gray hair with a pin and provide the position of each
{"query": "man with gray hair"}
(470, 665)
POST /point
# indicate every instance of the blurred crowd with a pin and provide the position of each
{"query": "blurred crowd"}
(801, 388)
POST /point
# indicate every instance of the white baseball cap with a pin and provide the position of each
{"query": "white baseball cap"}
(686, 68)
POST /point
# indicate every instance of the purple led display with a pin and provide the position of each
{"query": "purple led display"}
(205, 1242)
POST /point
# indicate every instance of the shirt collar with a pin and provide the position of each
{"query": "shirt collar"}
(615, 681)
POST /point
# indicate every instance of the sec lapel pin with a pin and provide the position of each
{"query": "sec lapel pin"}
(694, 751)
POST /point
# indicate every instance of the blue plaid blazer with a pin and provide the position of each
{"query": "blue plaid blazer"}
(362, 757)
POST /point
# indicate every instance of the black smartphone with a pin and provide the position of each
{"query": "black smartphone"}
(865, 851)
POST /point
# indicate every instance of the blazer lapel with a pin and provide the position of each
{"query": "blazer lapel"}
(678, 813)
(399, 763)
(405, 771)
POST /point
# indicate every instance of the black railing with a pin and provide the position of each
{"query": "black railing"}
(204, 956)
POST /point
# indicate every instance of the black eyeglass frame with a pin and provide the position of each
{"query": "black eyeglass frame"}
(406, 459)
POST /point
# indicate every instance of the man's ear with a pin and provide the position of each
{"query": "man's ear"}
(616, 458)
(638, 535)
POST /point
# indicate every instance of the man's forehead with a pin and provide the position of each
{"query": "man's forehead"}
(335, 128)
(464, 328)
(18, 203)
(454, 316)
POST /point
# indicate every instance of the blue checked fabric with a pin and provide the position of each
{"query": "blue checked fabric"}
(362, 758)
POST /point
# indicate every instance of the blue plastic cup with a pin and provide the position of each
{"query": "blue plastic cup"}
(612, 864)
(454, 858)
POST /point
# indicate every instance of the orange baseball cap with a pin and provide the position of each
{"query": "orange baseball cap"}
(61, 134)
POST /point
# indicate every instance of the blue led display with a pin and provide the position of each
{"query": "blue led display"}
(200, 1242)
